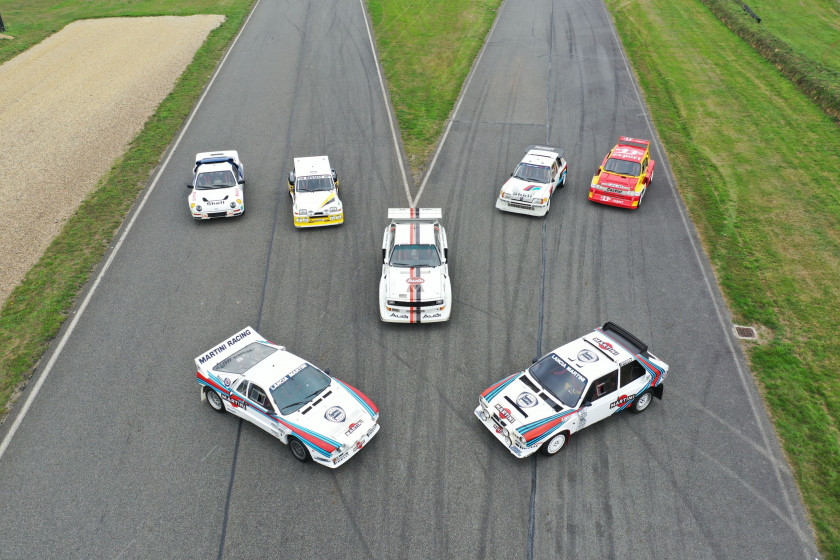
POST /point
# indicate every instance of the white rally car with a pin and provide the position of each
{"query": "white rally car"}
(314, 189)
(317, 416)
(529, 189)
(415, 286)
(218, 186)
(571, 387)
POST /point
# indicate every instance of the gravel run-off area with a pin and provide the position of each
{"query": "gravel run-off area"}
(69, 107)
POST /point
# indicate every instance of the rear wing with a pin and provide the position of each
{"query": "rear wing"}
(214, 355)
(415, 214)
(628, 141)
(540, 148)
(633, 344)
(204, 158)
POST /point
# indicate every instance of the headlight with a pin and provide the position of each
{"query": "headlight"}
(333, 209)
(392, 302)
(233, 205)
(483, 414)
(508, 442)
(483, 402)
(506, 433)
(439, 302)
(198, 208)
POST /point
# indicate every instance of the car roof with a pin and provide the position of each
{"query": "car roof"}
(315, 165)
(414, 233)
(630, 149)
(274, 368)
(594, 354)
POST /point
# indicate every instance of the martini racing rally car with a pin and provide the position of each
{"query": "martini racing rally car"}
(218, 186)
(625, 174)
(314, 189)
(570, 388)
(415, 286)
(529, 189)
(318, 416)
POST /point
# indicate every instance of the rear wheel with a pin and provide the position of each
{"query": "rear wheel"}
(299, 450)
(642, 402)
(215, 401)
(555, 444)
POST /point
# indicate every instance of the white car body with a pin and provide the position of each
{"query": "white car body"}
(258, 380)
(415, 286)
(313, 186)
(571, 387)
(218, 186)
(529, 189)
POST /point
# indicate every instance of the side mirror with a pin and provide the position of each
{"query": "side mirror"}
(291, 178)
(534, 361)
(327, 371)
(587, 403)
(189, 185)
(446, 253)
(384, 254)
(334, 175)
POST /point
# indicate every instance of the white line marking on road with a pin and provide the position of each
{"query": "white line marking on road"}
(46, 371)
(391, 116)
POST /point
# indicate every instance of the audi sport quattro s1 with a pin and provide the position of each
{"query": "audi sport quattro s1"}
(218, 186)
(313, 186)
(529, 189)
(570, 388)
(318, 416)
(415, 285)
(625, 174)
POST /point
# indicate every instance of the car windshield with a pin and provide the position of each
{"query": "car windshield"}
(314, 184)
(415, 256)
(533, 173)
(215, 180)
(298, 388)
(561, 380)
(244, 359)
(623, 167)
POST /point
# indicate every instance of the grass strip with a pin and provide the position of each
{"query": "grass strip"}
(752, 156)
(35, 310)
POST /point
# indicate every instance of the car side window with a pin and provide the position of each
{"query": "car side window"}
(631, 372)
(258, 396)
(602, 387)
(241, 387)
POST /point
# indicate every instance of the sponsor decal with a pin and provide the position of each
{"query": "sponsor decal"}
(432, 315)
(498, 429)
(235, 401)
(233, 340)
(569, 368)
(353, 427)
(530, 188)
(286, 377)
(414, 280)
(505, 414)
(605, 346)
(227, 382)
(526, 400)
(587, 356)
(622, 400)
(335, 414)
(359, 445)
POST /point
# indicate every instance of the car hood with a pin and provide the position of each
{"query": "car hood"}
(522, 401)
(336, 413)
(610, 180)
(526, 189)
(214, 197)
(316, 201)
(415, 284)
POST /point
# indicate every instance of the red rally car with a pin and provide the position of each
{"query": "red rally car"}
(624, 175)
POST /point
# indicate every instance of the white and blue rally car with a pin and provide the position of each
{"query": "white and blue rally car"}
(318, 416)
(218, 186)
(570, 388)
(528, 191)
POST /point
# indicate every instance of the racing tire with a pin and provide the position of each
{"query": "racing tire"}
(299, 450)
(214, 400)
(563, 182)
(642, 403)
(555, 444)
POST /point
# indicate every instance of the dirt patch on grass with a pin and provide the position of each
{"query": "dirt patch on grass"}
(69, 106)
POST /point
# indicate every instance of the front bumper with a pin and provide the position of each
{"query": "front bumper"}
(319, 221)
(497, 431)
(431, 314)
(335, 462)
(613, 199)
(227, 213)
(519, 207)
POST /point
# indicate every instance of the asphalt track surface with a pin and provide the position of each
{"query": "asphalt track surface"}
(117, 458)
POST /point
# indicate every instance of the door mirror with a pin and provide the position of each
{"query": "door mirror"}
(291, 178)
(189, 185)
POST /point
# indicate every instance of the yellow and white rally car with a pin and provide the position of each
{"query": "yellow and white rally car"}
(313, 186)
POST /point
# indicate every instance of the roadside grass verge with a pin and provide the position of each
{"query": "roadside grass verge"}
(426, 50)
(756, 163)
(35, 310)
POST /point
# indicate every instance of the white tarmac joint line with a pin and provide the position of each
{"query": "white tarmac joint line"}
(80, 311)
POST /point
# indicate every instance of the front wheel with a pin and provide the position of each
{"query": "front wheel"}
(641, 403)
(215, 401)
(555, 444)
(299, 450)
(563, 182)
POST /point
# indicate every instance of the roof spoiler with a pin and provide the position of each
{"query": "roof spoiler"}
(558, 151)
(222, 159)
(633, 142)
(625, 337)
(415, 214)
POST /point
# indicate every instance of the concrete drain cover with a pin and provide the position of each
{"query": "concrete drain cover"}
(745, 332)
